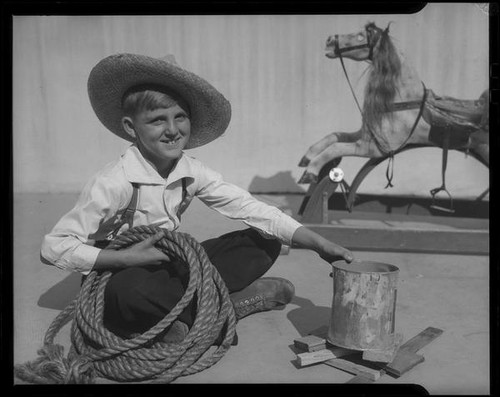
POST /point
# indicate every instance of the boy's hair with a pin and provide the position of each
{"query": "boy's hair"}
(151, 97)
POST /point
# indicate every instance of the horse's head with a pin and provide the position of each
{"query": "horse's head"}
(375, 45)
(358, 46)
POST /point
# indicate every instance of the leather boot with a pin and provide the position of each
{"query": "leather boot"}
(267, 293)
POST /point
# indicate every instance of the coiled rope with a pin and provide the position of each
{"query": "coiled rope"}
(96, 352)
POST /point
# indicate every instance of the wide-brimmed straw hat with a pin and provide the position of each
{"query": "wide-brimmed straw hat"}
(110, 79)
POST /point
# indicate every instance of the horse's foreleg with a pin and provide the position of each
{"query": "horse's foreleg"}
(325, 142)
(337, 150)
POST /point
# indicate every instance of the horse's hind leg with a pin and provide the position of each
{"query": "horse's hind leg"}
(337, 150)
(325, 142)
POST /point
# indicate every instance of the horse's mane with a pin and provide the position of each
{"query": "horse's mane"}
(381, 88)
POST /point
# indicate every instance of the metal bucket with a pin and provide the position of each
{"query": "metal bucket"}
(364, 305)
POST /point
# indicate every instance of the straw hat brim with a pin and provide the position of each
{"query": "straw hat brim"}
(110, 79)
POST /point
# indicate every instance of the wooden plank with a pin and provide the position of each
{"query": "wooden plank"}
(396, 239)
(354, 368)
(406, 358)
(309, 358)
(310, 343)
(410, 205)
(403, 362)
(422, 339)
(438, 221)
(362, 379)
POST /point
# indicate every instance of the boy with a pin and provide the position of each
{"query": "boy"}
(163, 109)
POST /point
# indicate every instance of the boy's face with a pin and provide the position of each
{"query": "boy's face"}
(161, 134)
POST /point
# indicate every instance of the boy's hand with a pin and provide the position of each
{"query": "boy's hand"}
(145, 252)
(326, 249)
(140, 254)
(333, 252)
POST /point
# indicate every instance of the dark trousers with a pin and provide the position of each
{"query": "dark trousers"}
(137, 298)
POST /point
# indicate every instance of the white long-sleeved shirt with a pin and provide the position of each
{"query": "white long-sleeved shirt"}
(69, 245)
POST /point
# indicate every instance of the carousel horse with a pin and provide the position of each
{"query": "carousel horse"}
(398, 113)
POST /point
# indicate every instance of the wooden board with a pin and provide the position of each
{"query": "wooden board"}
(367, 372)
(392, 204)
(403, 362)
(422, 339)
(310, 343)
(309, 358)
(406, 358)
(362, 378)
(355, 368)
(379, 236)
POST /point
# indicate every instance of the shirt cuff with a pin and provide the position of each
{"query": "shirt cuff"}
(82, 259)
(286, 228)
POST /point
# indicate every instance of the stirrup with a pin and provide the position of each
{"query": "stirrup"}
(434, 206)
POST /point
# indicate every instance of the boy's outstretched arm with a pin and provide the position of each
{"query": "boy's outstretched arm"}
(327, 250)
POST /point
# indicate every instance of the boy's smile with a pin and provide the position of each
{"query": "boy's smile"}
(161, 135)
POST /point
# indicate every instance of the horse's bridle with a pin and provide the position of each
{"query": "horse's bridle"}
(373, 34)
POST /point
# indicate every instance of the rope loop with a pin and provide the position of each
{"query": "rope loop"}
(97, 352)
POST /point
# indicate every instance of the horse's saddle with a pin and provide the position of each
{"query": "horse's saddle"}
(459, 115)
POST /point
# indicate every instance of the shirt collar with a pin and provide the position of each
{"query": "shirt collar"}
(138, 170)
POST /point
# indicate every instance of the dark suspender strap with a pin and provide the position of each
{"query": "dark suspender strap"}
(127, 217)
(184, 189)
(184, 195)
(128, 214)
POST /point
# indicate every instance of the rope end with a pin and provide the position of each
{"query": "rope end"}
(51, 367)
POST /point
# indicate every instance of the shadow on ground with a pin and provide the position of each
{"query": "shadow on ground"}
(283, 179)
(308, 317)
(61, 294)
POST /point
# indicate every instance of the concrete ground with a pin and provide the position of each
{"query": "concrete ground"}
(449, 292)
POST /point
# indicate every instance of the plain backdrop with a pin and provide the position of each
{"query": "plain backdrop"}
(285, 93)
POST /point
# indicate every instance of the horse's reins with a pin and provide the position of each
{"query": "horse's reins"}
(338, 51)
(371, 41)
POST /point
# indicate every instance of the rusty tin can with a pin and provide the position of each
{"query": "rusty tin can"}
(364, 305)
